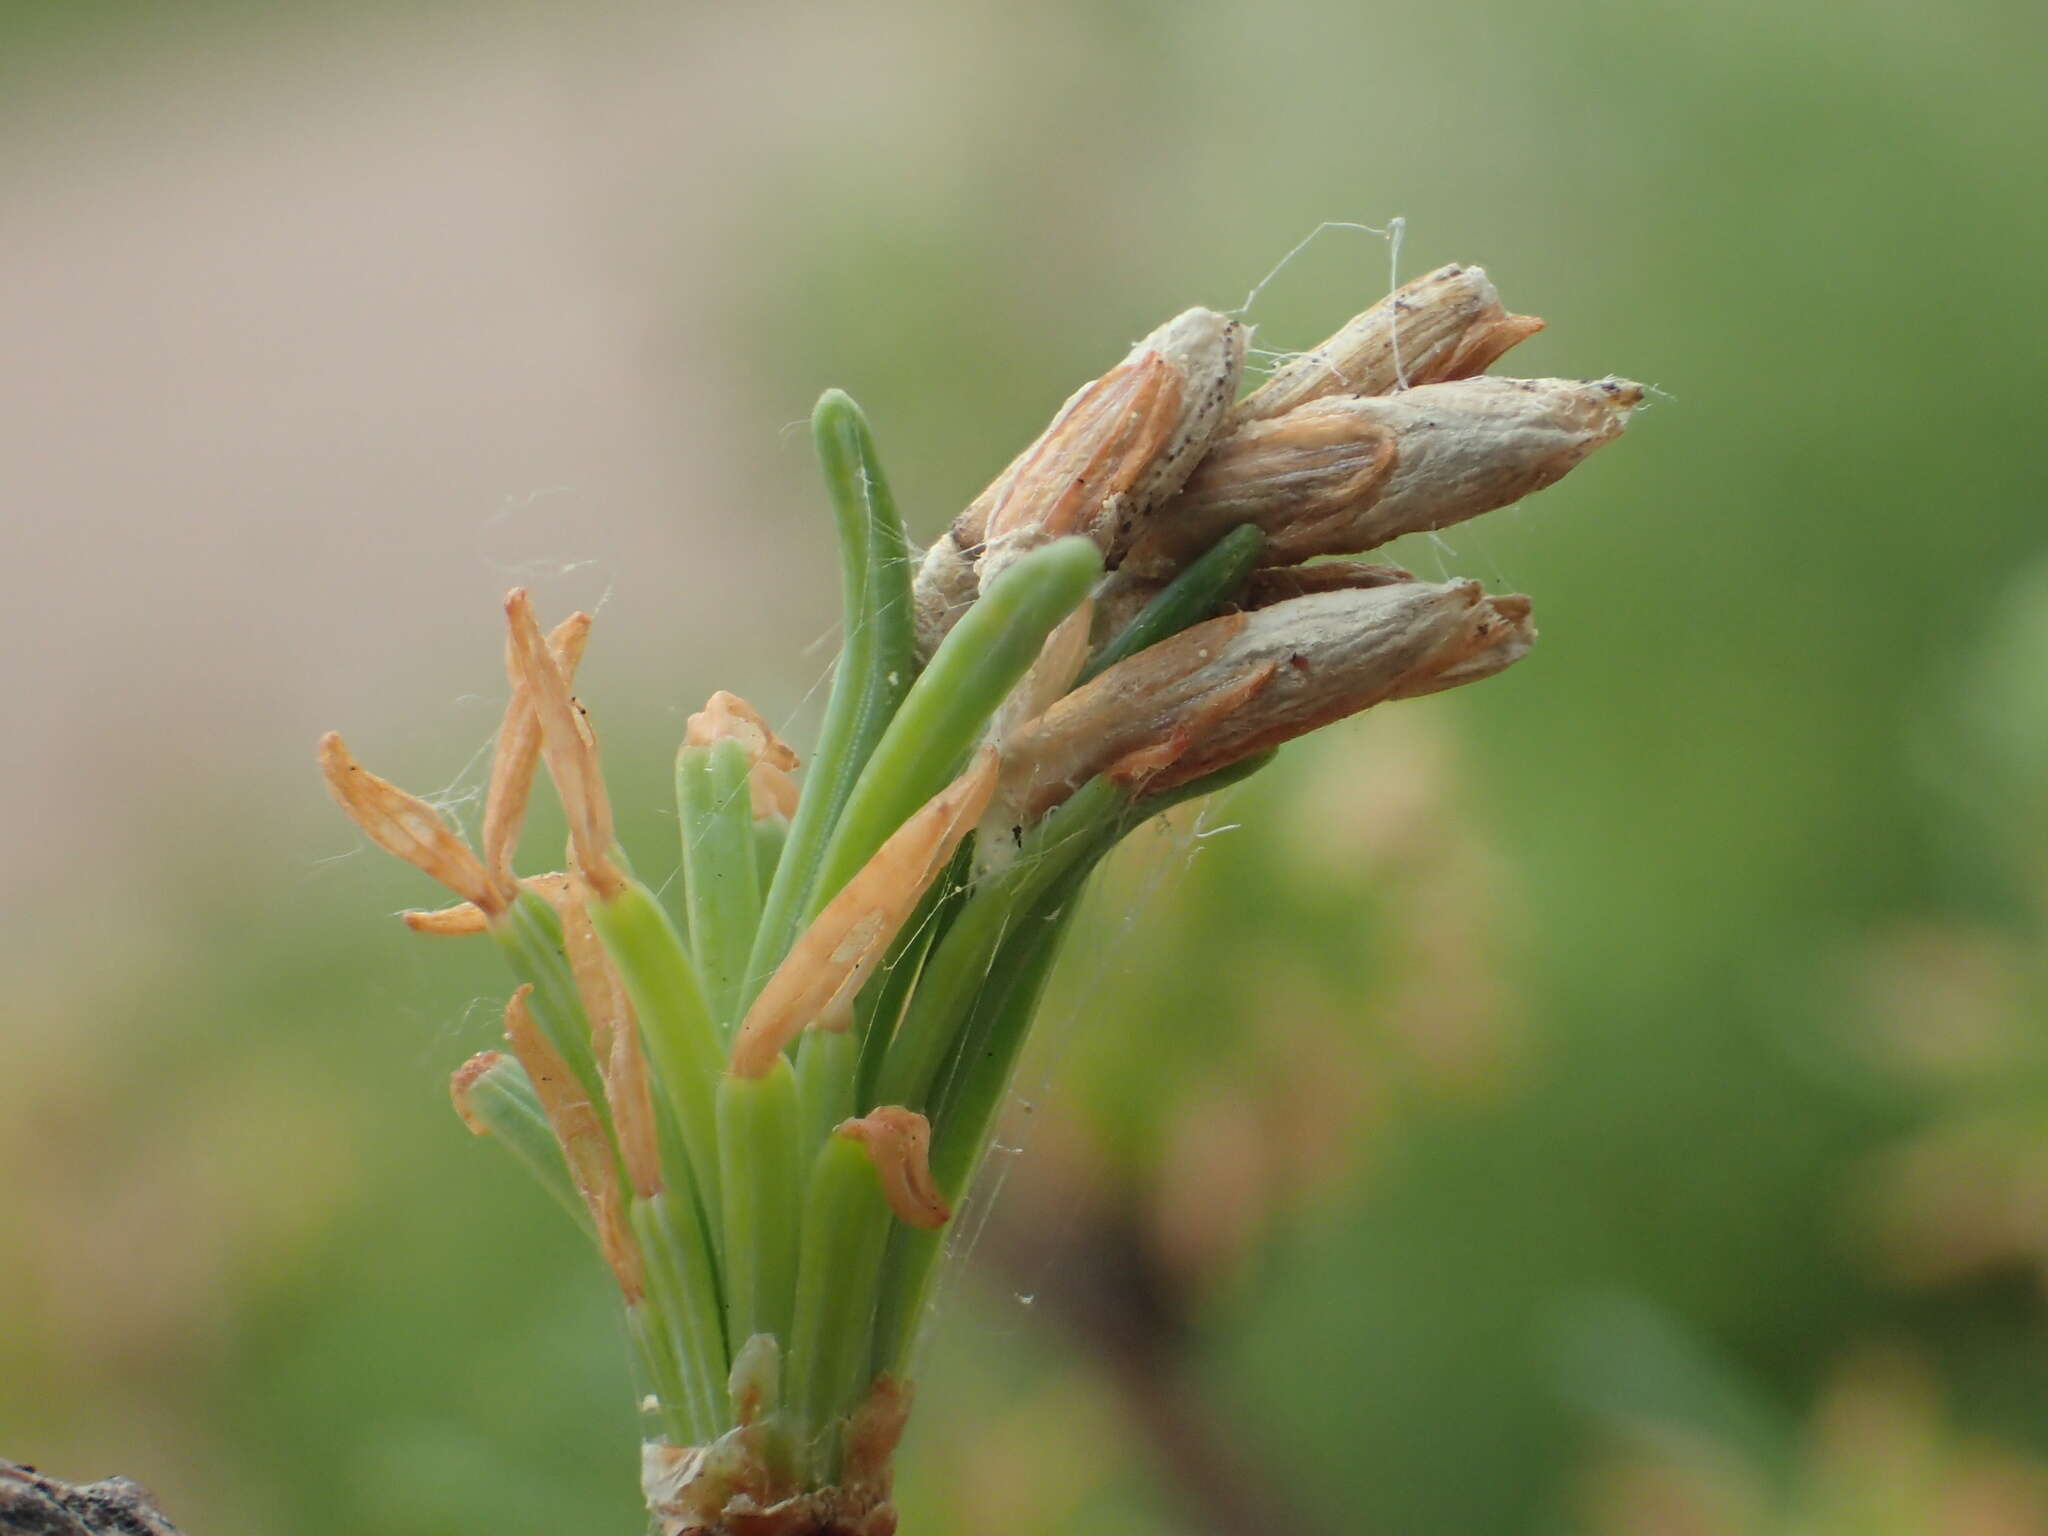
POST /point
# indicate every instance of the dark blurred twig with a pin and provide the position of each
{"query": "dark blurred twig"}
(34, 1505)
(1087, 1258)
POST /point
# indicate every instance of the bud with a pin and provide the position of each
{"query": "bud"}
(1448, 324)
(1237, 685)
(1349, 473)
(1116, 450)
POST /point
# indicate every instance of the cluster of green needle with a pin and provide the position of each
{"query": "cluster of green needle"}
(770, 1244)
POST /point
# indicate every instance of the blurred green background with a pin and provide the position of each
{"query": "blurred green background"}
(1609, 1100)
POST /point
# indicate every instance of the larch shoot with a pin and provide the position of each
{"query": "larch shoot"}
(764, 1100)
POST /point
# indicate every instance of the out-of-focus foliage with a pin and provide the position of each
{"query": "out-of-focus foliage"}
(1611, 1100)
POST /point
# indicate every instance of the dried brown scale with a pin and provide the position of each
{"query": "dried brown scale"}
(1313, 659)
(1114, 452)
(1446, 324)
(1292, 477)
(1206, 350)
(1347, 474)
(943, 589)
(1141, 439)
(1093, 452)
(1340, 647)
(1059, 662)
(1501, 636)
(1139, 767)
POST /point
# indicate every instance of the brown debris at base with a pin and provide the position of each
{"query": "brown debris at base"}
(727, 1488)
